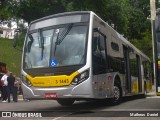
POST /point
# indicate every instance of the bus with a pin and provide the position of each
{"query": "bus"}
(157, 51)
(75, 56)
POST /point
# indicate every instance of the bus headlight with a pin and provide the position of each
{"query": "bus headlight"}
(80, 78)
(26, 81)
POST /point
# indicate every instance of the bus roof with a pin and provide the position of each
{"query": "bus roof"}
(61, 14)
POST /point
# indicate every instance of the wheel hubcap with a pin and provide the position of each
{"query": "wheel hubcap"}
(116, 93)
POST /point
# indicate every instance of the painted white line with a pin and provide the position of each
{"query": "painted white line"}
(153, 97)
(20, 99)
(129, 110)
(62, 116)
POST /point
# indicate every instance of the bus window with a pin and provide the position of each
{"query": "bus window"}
(147, 69)
(116, 64)
(133, 64)
(99, 54)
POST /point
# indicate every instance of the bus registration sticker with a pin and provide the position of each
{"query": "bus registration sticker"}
(50, 95)
(53, 63)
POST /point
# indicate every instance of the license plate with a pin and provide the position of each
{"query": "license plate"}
(50, 95)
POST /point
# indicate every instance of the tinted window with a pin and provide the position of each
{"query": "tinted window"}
(133, 64)
(99, 54)
(115, 46)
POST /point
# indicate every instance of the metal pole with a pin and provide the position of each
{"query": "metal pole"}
(153, 16)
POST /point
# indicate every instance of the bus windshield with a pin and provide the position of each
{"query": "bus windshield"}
(59, 46)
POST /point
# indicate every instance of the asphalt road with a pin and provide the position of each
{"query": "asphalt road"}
(131, 108)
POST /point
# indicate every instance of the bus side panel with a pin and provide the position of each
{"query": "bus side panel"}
(102, 87)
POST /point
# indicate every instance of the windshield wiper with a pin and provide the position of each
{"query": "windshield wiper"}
(41, 42)
(64, 33)
(61, 37)
(29, 44)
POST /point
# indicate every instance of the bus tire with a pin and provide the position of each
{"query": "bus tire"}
(65, 102)
(117, 93)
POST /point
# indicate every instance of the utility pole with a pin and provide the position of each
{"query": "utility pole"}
(153, 16)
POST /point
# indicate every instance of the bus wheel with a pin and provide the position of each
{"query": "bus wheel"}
(117, 91)
(65, 102)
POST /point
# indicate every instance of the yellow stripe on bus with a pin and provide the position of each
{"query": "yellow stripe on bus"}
(135, 86)
(158, 62)
(158, 94)
(148, 85)
(52, 81)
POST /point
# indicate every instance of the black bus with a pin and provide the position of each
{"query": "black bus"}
(157, 52)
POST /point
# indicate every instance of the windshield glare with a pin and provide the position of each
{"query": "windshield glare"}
(70, 49)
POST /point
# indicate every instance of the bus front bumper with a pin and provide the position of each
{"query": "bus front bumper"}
(82, 91)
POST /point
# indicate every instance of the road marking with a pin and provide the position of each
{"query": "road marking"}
(20, 99)
(116, 109)
(62, 116)
(153, 97)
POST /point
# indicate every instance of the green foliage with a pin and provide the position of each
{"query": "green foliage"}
(10, 56)
(137, 17)
(129, 17)
(111, 11)
(21, 35)
(33, 9)
(21, 38)
(8, 11)
(145, 44)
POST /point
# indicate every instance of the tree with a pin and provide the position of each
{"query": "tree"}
(111, 11)
(128, 17)
(145, 44)
(33, 9)
(138, 13)
(8, 9)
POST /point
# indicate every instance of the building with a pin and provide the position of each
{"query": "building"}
(7, 33)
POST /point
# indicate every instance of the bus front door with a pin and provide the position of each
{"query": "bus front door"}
(127, 70)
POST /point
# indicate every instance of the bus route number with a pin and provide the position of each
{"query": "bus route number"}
(62, 81)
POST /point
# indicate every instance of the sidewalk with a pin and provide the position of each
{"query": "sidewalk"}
(20, 97)
(152, 93)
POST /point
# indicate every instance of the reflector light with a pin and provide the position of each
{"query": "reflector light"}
(109, 77)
